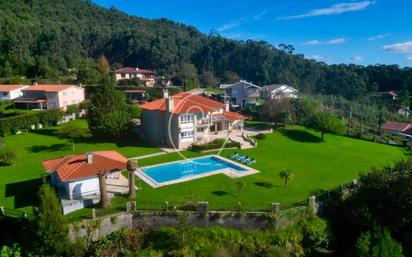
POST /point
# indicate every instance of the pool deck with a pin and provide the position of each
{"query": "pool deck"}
(227, 171)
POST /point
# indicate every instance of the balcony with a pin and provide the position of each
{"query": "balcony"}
(203, 123)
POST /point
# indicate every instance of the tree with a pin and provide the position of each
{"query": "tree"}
(72, 132)
(378, 243)
(107, 112)
(103, 65)
(131, 168)
(325, 123)
(286, 175)
(404, 98)
(209, 79)
(230, 77)
(240, 185)
(277, 110)
(104, 198)
(50, 226)
(88, 73)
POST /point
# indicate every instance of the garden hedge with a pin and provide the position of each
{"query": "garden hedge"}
(216, 144)
(14, 124)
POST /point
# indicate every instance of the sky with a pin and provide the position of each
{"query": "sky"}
(333, 31)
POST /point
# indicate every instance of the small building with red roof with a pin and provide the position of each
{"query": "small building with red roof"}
(397, 128)
(76, 177)
(50, 97)
(184, 119)
(11, 92)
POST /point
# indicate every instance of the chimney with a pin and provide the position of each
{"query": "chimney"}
(89, 158)
(170, 104)
(165, 93)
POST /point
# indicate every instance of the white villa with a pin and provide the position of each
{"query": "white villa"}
(241, 92)
(278, 91)
(184, 119)
(76, 179)
(11, 92)
(148, 77)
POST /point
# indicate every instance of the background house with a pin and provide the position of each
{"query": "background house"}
(10, 92)
(184, 119)
(401, 129)
(50, 97)
(148, 77)
(277, 91)
(76, 177)
(240, 93)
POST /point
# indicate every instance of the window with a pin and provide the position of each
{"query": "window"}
(187, 134)
(123, 75)
(64, 94)
(186, 119)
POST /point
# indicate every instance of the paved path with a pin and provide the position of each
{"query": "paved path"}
(147, 156)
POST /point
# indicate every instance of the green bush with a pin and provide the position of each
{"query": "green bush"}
(8, 156)
(260, 136)
(13, 124)
(135, 111)
(216, 144)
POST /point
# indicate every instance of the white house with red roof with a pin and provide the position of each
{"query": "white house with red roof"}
(50, 97)
(184, 119)
(148, 77)
(10, 92)
(76, 179)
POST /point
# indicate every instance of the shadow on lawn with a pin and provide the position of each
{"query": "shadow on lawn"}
(51, 132)
(301, 136)
(264, 184)
(51, 148)
(24, 192)
(221, 193)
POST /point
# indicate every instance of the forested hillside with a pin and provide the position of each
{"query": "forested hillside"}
(54, 39)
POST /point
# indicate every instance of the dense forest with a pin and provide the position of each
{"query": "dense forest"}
(62, 39)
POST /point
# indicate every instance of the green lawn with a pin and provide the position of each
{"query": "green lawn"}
(18, 183)
(316, 166)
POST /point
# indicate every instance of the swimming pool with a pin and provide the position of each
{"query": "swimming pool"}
(185, 170)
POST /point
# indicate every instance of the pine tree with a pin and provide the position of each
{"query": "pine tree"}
(107, 113)
(51, 229)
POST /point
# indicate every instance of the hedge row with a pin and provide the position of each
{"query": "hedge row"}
(14, 124)
(216, 144)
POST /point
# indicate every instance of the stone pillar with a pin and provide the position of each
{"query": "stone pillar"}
(312, 201)
(2, 212)
(131, 206)
(203, 206)
(275, 207)
(355, 182)
(167, 206)
(93, 213)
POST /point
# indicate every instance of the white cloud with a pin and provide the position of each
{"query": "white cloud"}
(336, 41)
(357, 58)
(380, 36)
(232, 24)
(318, 58)
(312, 42)
(404, 47)
(260, 15)
(333, 10)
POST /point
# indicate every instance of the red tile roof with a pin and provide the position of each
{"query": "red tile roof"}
(134, 71)
(75, 167)
(49, 88)
(396, 126)
(8, 88)
(185, 103)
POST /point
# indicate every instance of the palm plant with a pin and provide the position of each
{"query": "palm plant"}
(240, 185)
(286, 175)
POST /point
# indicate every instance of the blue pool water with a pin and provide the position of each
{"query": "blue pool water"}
(188, 168)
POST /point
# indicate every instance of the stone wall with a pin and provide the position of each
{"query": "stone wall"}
(96, 228)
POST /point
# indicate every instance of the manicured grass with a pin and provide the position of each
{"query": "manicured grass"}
(18, 183)
(316, 166)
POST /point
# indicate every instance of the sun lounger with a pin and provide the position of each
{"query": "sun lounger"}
(247, 160)
(251, 162)
(242, 158)
(233, 155)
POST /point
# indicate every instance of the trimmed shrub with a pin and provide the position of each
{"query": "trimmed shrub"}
(14, 124)
(260, 136)
(216, 144)
(8, 156)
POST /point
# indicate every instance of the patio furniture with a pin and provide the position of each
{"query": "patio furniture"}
(251, 162)
(242, 158)
(247, 160)
(233, 155)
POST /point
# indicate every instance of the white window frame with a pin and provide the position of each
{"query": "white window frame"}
(186, 119)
